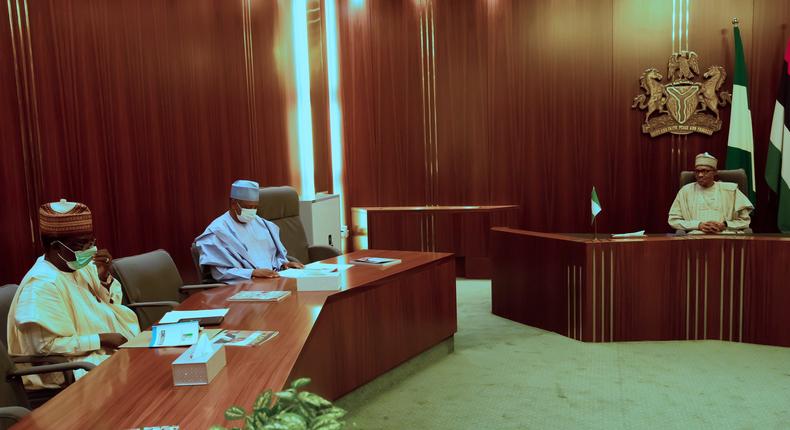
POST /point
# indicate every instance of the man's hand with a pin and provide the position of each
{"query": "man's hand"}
(265, 273)
(293, 265)
(103, 261)
(712, 227)
(111, 340)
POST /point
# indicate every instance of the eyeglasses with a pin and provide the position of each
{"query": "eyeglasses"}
(702, 171)
(78, 246)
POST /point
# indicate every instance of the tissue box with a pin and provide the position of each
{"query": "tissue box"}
(329, 282)
(199, 370)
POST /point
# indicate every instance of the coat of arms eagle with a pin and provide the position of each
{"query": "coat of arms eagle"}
(687, 106)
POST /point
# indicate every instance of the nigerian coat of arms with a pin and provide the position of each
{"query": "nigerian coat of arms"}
(682, 105)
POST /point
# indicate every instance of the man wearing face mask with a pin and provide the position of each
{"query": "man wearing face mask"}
(241, 245)
(68, 303)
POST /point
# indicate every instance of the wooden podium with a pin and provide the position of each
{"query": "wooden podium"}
(734, 288)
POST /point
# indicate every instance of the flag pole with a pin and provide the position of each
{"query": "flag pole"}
(595, 229)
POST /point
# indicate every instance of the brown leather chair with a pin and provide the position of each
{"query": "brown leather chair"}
(737, 176)
(280, 205)
(152, 285)
(12, 393)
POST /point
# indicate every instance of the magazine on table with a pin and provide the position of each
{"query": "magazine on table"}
(376, 261)
(242, 337)
(259, 296)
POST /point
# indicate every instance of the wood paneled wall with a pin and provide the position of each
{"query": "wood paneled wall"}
(147, 110)
(144, 110)
(532, 104)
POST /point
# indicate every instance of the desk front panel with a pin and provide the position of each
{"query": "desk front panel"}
(657, 288)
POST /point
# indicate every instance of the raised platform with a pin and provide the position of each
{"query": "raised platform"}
(719, 287)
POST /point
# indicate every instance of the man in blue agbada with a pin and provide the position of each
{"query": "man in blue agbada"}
(241, 245)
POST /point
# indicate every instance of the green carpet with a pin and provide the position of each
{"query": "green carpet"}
(505, 375)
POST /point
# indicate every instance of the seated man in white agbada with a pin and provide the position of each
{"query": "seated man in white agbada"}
(239, 244)
(68, 303)
(708, 206)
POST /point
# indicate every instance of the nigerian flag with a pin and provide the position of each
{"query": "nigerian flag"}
(777, 166)
(595, 205)
(740, 144)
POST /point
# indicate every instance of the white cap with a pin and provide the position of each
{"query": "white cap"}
(245, 190)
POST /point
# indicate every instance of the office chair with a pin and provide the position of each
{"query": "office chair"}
(280, 205)
(42, 363)
(152, 285)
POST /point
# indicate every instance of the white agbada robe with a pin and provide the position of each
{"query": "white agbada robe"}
(55, 312)
(721, 202)
(233, 250)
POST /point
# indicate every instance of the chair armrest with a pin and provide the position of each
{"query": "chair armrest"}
(322, 252)
(14, 413)
(170, 304)
(197, 287)
(293, 259)
(40, 359)
(680, 232)
(51, 368)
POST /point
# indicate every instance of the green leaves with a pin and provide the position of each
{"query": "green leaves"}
(235, 413)
(288, 410)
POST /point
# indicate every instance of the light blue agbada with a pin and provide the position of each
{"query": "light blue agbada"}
(233, 250)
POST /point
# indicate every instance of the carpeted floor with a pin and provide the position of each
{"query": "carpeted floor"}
(505, 375)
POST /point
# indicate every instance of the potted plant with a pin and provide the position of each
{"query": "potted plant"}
(291, 409)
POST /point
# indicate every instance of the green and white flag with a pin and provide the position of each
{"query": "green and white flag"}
(777, 166)
(740, 144)
(595, 204)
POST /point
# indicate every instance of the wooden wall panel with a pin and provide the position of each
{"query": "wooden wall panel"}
(381, 94)
(16, 245)
(533, 106)
(148, 110)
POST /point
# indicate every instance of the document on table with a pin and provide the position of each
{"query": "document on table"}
(330, 267)
(178, 334)
(176, 316)
(143, 340)
(242, 337)
(307, 273)
(640, 233)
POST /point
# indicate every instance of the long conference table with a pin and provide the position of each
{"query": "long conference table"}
(380, 318)
(723, 287)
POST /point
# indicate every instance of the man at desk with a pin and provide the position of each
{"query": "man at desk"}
(241, 245)
(708, 206)
(68, 303)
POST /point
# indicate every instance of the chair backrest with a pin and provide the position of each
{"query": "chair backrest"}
(7, 293)
(204, 273)
(148, 277)
(12, 391)
(280, 205)
(737, 176)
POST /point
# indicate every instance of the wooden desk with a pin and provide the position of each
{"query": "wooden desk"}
(380, 318)
(734, 288)
(462, 230)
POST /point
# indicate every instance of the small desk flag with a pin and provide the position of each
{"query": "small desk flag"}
(595, 204)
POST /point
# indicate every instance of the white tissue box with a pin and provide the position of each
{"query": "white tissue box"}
(330, 282)
(199, 370)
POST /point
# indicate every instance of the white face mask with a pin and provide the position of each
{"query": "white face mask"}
(246, 215)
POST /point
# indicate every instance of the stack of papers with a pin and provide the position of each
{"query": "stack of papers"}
(330, 267)
(640, 233)
(208, 316)
(259, 296)
(314, 279)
